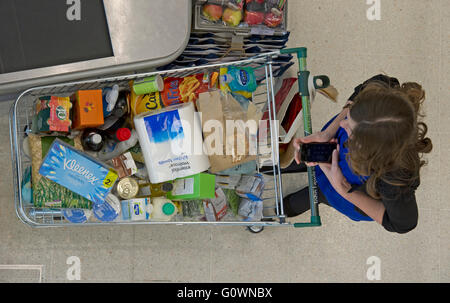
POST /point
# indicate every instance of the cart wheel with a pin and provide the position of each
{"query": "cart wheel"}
(255, 229)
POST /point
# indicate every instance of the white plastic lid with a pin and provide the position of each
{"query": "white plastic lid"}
(96, 139)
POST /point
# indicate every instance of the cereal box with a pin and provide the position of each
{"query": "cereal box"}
(53, 114)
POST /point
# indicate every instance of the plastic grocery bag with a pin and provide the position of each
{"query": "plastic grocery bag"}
(251, 210)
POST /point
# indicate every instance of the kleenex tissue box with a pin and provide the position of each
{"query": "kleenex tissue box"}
(78, 172)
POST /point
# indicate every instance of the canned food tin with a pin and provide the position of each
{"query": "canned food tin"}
(127, 188)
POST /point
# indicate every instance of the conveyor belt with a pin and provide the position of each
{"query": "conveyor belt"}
(37, 34)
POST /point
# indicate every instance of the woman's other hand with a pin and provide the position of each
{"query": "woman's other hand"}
(334, 174)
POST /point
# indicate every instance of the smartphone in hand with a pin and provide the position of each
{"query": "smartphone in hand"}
(317, 152)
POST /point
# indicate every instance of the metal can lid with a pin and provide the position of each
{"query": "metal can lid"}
(127, 188)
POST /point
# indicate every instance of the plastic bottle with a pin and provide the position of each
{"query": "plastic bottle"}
(112, 149)
(240, 79)
(110, 95)
(111, 130)
(92, 140)
(163, 209)
(154, 190)
(119, 135)
(121, 106)
(119, 111)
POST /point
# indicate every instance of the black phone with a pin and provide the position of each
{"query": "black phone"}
(317, 152)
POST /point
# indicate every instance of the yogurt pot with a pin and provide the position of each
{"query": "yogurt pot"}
(136, 209)
(163, 209)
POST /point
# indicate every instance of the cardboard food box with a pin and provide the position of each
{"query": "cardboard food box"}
(53, 114)
(87, 108)
(78, 172)
(45, 192)
(195, 187)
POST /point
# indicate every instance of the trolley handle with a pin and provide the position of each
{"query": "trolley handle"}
(303, 78)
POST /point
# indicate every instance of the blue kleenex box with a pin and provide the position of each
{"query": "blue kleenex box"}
(78, 172)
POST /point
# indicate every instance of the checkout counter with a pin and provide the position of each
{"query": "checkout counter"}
(54, 41)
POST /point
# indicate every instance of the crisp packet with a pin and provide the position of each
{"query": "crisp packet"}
(78, 172)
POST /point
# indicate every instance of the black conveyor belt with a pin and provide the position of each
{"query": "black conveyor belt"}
(38, 33)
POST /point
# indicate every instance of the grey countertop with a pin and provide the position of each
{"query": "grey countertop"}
(144, 34)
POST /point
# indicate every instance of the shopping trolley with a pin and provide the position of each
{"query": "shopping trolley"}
(273, 215)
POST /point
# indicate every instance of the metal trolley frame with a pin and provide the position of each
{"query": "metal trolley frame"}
(22, 111)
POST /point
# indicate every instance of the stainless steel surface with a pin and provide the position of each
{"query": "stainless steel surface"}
(144, 34)
(21, 115)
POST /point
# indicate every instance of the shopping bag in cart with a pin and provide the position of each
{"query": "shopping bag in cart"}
(235, 141)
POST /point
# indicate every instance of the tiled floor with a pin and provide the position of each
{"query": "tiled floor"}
(411, 42)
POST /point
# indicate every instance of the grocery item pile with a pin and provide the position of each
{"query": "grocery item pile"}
(156, 149)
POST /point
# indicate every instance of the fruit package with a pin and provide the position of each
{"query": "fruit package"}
(245, 12)
(229, 11)
(269, 12)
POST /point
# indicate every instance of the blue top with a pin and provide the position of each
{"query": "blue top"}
(334, 199)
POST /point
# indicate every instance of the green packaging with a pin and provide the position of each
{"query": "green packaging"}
(195, 187)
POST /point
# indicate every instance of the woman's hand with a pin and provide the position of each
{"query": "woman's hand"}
(322, 136)
(334, 174)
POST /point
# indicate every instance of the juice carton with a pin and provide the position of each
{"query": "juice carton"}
(195, 187)
(53, 114)
(87, 108)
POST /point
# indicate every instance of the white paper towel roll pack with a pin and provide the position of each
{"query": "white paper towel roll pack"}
(171, 142)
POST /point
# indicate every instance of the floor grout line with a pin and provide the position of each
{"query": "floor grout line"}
(24, 267)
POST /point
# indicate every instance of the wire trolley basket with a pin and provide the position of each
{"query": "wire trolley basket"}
(22, 112)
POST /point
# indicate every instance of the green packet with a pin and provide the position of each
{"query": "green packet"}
(50, 194)
(192, 208)
(233, 200)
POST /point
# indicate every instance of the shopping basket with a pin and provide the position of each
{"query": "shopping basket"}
(273, 215)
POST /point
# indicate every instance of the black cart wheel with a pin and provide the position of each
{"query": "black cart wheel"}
(255, 228)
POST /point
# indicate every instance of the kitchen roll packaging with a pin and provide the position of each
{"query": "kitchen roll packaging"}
(171, 142)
